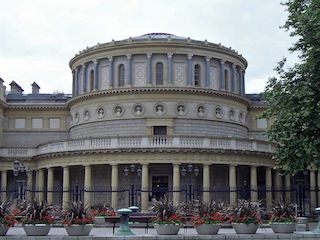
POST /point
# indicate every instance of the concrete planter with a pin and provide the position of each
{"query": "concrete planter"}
(36, 229)
(3, 230)
(167, 229)
(79, 230)
(242, 228)
(283, 227)
(208, 229)
(99, 220)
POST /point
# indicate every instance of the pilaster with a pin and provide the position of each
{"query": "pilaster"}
(114, 186)
(149, 79)
(206, 182)
(129, 77)
(170, 68)
(222, 77)
(207, 71)
(233, 184)
(190, 70)
(50, 185)
(110, 72)
(145, 188)
(87, 185)
(66, 187)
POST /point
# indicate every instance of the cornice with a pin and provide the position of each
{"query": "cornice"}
(37, 107)
(154, 150)
(143, 90)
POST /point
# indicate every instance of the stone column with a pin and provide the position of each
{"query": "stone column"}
(41, 184)
(149, 78)
(76, 82)
(84, 71)
(313, 199)
(234, 77)
(129, 81)
(73, 82)
(96, 75)
(145, 188)
(288, 188)
(176, 183)
(233, 184)
(240, 82)
(50, 184)
(268, 188)
(253, 183)
(243, 84)
(222, 77)
(29, 186)
(114, 187)
(4, 184)
(87, 185)
(207, 71)
(170, 68)
(278, 186)
(206, 182)
(66, 187)
(318, 187)
(110, 72)
(190, 70)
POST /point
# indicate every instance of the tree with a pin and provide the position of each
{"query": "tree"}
(293, 96)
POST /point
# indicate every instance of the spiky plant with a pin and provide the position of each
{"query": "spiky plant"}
(206, 212)
(102, 209)
(283, 212)
(6, 216)
(166, 211)
(38, 212)
(245, 211)
(77, 213)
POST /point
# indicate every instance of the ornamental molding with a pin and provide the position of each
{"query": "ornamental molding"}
(148, 90)
(37, 107)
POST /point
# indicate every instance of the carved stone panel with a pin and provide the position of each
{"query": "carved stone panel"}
(139, 74)
(104, 77)
(180, 74)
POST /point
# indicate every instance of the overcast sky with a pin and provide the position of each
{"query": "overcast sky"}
(39, 37)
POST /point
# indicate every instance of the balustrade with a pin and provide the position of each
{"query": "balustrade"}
(115, 142)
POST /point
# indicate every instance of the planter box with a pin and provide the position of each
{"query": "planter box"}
(79, 230)
(283, 227)
(167, 229)
(99, 220)
(36, 229)
(242, 228)
(208, 229)
(3, 230)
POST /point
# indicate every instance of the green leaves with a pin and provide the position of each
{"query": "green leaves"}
(293, 96)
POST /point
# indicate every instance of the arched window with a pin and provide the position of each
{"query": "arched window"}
(91, 79)
(159, 73)
(197, 75)
(121, 75)
(226, 78)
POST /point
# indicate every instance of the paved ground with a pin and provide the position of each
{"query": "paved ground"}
(105, 233)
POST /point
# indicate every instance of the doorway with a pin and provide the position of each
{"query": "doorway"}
(159, 186)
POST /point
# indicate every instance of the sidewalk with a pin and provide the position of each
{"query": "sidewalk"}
(104, 233)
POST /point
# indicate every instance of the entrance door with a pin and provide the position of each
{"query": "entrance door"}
(159, 186)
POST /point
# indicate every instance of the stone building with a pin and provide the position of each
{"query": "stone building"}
(149, 115)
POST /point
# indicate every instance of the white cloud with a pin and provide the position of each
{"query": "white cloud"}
(39, 39)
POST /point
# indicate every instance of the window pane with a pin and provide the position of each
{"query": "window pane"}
(197, 75)
(159, 74)
(121, 75)
(19, 123)
(36, 123)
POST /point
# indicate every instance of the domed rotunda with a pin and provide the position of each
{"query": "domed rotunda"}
(149, 115)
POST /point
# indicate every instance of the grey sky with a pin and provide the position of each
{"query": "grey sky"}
(39, 37)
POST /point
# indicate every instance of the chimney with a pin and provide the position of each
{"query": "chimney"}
(35, 88)
(15, 88)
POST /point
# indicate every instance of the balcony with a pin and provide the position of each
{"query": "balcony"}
(142, 142)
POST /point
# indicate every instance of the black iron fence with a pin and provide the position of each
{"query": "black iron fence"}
(300, 195)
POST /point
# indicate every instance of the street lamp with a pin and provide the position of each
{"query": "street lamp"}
(130, 171)
(188, 169)
(19, 168)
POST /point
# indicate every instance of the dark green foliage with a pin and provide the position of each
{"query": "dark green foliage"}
(283, 212)
(293, 97)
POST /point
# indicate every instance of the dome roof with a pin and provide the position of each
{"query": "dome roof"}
(158, 36)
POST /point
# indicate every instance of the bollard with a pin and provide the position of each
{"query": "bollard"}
(317, 229)
(124, 229)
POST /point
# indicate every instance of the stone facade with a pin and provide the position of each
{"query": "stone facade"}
(148, 115)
